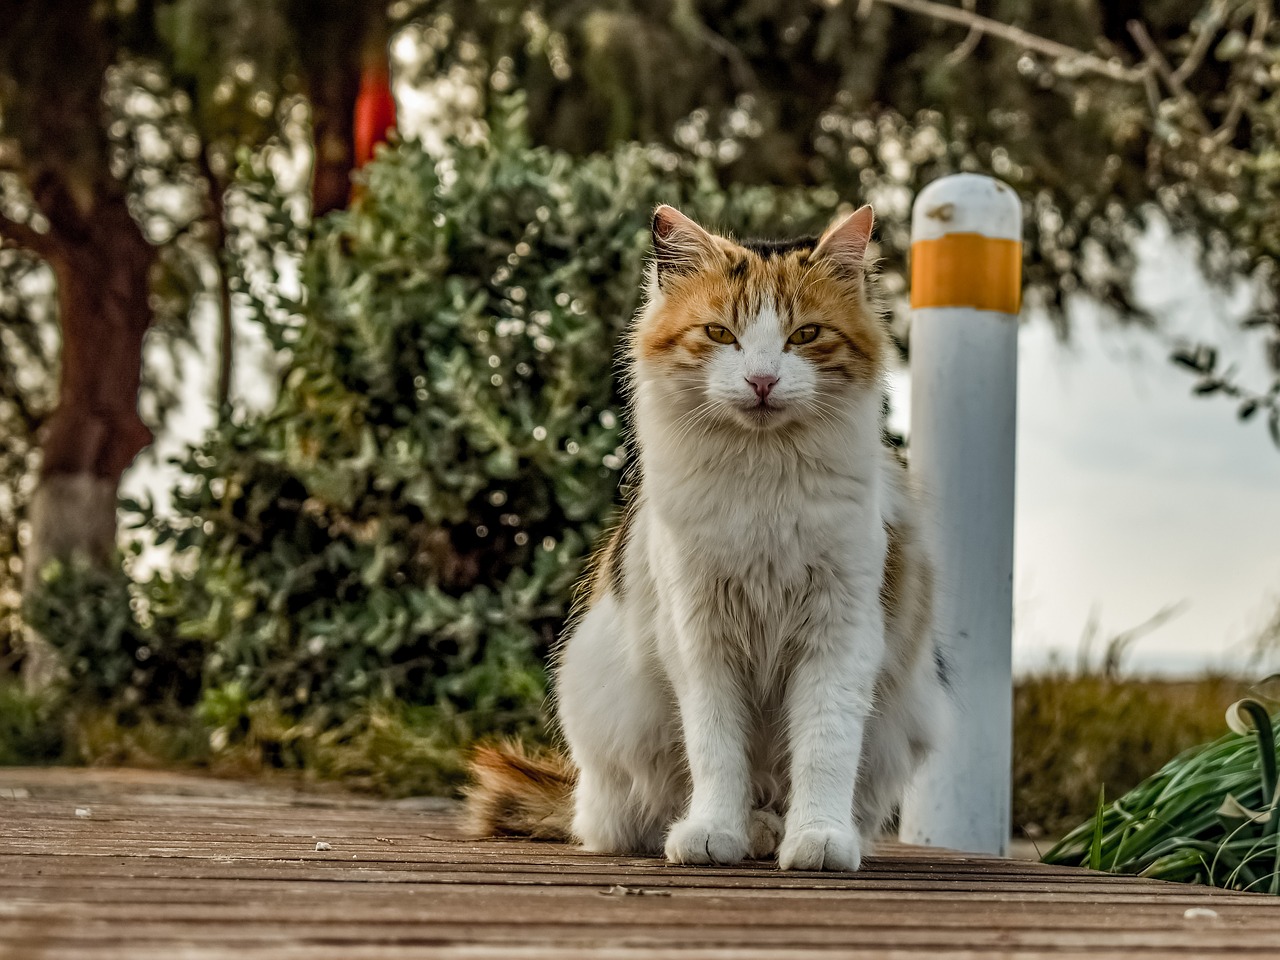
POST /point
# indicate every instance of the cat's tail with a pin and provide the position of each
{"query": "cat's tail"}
(514, 794)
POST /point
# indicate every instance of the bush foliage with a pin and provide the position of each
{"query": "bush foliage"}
(405, 526)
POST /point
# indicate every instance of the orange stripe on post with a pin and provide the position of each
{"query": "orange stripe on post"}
(967, 270)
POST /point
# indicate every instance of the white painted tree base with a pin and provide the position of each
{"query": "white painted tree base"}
(71, 516)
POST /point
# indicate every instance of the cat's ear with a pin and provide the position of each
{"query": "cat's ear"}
(680, 245)
(844, 243)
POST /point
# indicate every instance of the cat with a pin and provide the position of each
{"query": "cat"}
(754, 671)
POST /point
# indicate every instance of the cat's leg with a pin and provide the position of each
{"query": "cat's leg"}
(887, 765)
(624, 801)
(908, 722)
(607, 816)
(713, 720)
(617, 719)
(829, 699)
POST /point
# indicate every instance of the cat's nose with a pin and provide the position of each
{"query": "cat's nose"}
(762, 383)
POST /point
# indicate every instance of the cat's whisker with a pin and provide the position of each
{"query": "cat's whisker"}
(823, 409)
(829, 412)
(693, 419)
(690, 414)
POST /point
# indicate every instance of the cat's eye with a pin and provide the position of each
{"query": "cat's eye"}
(720, 334)
(806, 334)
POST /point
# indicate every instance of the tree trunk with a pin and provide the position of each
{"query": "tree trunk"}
(95, 432)
(226, 327)
(336, 39)
(333, 100)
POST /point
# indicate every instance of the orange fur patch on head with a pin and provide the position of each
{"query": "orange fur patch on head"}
(855, 343)
(805, 281)
(676, 331)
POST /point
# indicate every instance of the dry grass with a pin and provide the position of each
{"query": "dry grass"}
(388, 750)
(1073, 734)
(1076, 733)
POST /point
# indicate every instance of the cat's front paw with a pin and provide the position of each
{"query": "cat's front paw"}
(701, 841)
(820, 847)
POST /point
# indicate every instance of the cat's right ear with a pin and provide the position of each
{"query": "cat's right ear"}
(845, 241)
(680, 245)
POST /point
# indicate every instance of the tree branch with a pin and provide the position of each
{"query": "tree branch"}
(1080, 59)
(969, 43)
(1166, 73)
(1246, 86)
(24, 236)
(743, 74)
(1204, 39)
(216, 211)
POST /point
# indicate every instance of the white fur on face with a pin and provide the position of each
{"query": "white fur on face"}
(762, 351)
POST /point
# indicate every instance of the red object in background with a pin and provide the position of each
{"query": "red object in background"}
(375, 112)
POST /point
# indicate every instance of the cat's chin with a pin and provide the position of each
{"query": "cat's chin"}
(763, 417)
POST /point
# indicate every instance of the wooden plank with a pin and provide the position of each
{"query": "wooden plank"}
(178, 866)
(648, 930)
(754, 913)
(136, 869)
(178, 950)
(163, 868)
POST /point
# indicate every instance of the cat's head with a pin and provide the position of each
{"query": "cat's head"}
(759, 335)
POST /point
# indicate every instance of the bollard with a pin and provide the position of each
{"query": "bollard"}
(966, 286)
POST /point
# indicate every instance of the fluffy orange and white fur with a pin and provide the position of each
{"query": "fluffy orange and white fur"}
(754, 672)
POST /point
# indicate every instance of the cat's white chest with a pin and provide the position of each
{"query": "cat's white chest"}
(766, 532)
(760, 562)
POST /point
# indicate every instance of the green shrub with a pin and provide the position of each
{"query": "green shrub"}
(29, 730)
(119, 642)
(406, 524)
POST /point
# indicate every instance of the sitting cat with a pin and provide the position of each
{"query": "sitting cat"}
(754, 670)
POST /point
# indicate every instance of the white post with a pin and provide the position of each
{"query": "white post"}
(966, 281)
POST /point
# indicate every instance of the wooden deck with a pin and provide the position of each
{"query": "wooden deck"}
(146, 866)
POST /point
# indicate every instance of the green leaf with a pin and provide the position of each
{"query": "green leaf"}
(1095, 847)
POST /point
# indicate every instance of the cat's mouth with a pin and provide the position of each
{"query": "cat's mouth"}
(762, 413)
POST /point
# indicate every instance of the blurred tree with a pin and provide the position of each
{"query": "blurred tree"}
(871, 100)
(27, 384)
(1090, 117)
(1098, 113)
(1211, 148)
(56, 57)
(120, 129)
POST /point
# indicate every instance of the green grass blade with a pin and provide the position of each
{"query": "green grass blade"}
(1095, 848)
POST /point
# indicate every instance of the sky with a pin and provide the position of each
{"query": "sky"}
(1132, 494)
(1135, 492)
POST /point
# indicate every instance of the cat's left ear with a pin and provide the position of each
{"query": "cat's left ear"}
(845, 241)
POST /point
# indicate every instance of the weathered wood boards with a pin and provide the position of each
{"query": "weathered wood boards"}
(146, 866)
